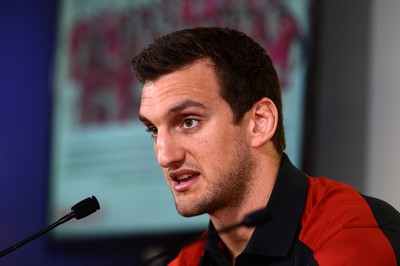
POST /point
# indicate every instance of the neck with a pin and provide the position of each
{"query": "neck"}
(258, 196)
(236, 240)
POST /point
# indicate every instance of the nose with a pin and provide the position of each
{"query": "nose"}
(168, 150)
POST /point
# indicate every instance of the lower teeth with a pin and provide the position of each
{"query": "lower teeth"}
(183, 181)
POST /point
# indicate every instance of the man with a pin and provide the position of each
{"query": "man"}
(212, 103)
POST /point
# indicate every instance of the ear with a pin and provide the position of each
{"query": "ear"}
(264, 120)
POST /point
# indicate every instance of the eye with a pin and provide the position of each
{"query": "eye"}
(190, 123)
(152, 130)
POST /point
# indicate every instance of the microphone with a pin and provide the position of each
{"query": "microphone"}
(255, 218)
(85, 208)
(80, 210)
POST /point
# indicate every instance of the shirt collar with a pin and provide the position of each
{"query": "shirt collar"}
(285, 207)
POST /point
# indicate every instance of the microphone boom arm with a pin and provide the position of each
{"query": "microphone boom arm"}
(34, 236)
(79, 210)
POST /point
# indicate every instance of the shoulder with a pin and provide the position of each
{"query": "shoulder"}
(190, 255)
(339, 225)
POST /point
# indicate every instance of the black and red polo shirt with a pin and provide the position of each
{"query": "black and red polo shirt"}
(313, 221)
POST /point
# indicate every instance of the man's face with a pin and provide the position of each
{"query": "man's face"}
(205, 157)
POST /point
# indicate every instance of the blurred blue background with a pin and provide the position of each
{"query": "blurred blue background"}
(27, 43)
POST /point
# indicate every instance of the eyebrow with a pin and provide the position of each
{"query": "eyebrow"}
(184, 105)
(177, 108)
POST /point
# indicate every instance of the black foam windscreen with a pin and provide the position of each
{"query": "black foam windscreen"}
(85, 207)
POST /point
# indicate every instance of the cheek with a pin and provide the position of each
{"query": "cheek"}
(202, 151)
(215, 149)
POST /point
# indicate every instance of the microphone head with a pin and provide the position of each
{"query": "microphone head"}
(85, 207)
(256, 218)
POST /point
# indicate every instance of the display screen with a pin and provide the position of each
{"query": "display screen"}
(100, 148)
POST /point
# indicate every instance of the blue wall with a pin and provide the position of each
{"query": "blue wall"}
(27, 41)
(26, 44)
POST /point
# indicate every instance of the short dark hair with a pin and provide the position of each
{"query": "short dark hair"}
(244, 70)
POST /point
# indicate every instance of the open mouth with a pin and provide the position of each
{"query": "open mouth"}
(184, 182)
(185, 178)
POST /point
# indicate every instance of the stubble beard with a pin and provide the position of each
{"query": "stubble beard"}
(230, 190)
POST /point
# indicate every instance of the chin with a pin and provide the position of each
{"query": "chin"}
(188, 211)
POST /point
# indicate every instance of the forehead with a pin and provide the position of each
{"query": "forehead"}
(195, 83)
